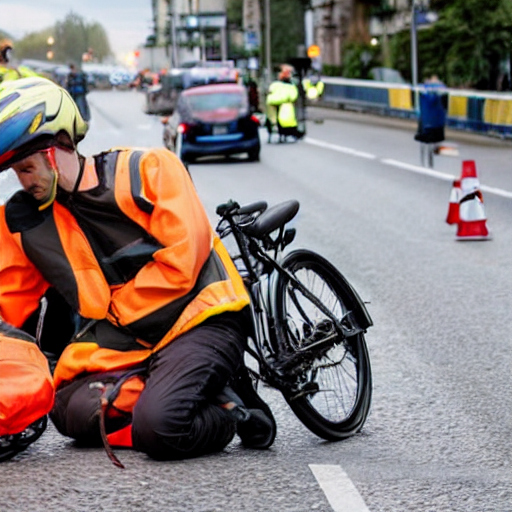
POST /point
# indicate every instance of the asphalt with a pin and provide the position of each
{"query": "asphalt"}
(334, 112)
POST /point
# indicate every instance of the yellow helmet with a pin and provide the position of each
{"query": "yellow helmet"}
(33, 112)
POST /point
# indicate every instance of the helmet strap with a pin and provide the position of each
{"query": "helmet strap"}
(49, 153)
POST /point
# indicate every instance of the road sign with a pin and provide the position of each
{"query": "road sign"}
(313, 51)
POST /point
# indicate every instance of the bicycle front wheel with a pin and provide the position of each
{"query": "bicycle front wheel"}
(332, 386)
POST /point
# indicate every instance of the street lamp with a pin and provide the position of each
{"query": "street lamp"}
(50, 42)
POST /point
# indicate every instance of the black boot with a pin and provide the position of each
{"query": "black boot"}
(256, 425)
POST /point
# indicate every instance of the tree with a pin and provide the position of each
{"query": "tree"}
(359, 26)
(467, 46)
(474, 36)
(234, 13)
(34, 45)
(72, 38)
(98, 41)
(287, 29)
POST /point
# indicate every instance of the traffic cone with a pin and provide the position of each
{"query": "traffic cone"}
(453, 206)
(468, 179)
(472, 219)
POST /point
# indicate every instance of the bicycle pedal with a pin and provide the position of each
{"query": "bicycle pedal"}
(310, 388)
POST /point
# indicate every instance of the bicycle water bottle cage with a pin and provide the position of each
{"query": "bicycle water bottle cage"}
(272, 219)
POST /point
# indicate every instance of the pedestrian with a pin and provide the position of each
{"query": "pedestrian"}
(7, 70)
(433, 83)
(281, 98)
(76, 84)
(313, 87)
(253, 96)
(156, 363)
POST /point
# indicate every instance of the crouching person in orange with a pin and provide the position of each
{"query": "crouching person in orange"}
(156, 362)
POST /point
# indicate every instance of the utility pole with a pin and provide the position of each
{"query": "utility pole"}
(414, 56)
(268, 59)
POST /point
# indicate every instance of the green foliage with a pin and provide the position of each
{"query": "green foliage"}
(287, 30)
(331, 70)
(33, 45)
(358, 59)
(474, 35)
(466, 45)
(73, 37)
(98, 41)
(234, 13)
(400, 51)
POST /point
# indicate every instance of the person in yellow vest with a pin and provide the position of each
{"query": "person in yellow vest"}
(314, 87)
(156, 363)
(7, 71)
(281, 98)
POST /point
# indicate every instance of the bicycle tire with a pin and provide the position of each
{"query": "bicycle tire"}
(17, 443)
(337, 386)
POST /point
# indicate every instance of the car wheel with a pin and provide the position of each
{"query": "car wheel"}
(254, 155)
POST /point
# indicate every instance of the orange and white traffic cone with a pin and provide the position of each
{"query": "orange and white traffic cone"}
(453, 206)
(472, 219)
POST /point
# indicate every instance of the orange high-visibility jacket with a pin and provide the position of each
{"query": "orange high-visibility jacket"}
(135, 253)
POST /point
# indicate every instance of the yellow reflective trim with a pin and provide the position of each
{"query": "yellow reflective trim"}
(400, 98)
(458, 106)
(35, 123)
(505, 112)
(498, 111)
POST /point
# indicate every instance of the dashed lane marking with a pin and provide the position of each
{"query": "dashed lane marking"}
(402, 165)
(340, 149)
(338, 488)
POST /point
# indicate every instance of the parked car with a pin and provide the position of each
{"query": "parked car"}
(212, 119)
(161, 98)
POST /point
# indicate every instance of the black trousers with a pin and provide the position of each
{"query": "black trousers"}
(177, 415)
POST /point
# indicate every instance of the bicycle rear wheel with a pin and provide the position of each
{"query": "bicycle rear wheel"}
(332, 385)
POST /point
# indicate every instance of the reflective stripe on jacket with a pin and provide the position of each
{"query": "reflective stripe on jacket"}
(8, 73)
(283, 96)
(136, 253)
(313, 90)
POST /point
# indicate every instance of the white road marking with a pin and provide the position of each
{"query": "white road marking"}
(402, 165)
(418, 169)
(496, 191)
(338, 488)
(341, 149)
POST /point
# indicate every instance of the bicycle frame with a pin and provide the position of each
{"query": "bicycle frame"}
(261, 273)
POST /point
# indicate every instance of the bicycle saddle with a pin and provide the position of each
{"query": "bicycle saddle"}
(273, 218)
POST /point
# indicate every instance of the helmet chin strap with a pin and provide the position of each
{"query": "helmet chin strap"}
(50, 156)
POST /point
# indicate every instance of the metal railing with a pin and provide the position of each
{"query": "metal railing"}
(482, 112)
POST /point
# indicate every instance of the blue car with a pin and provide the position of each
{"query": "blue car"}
(212, 120)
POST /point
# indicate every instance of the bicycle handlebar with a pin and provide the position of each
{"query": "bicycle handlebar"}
(233, 208)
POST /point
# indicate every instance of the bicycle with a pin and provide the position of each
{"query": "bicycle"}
(308, 321)
(11, 445)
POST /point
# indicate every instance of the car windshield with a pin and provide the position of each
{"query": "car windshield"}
(217, 101)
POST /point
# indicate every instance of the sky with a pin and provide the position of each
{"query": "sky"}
(127, 22)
